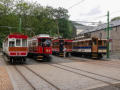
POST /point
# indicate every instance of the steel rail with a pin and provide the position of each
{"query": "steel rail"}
(85, 76)
(42, 77)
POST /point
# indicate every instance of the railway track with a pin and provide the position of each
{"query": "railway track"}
(90, 61)
(29, 82)
(25, 78)
(88, 74)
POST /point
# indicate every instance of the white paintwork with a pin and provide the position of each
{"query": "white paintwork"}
(102, 51)
(6, 45)
(81, 50)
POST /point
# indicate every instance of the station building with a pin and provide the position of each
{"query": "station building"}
(101, 32)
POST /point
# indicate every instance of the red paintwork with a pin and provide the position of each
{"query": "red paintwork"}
(56, 49)
(12, 54)
(55, 40)
(48, 50)
(23, 53)
(43, 37)
(67, 40)
(17, 51)
(18, 54)
(40, 49)
(17, 36)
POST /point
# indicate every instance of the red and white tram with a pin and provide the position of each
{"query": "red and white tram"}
(15, 47)
(40, 47)
(62, 47)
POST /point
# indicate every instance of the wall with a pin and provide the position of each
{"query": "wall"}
(114, 35)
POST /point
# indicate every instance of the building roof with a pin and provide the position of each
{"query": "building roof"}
(102, 26)
(79, 26)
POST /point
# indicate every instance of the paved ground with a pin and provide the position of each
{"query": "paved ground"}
(71, 73)
(5, 83)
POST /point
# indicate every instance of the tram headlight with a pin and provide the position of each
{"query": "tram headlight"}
(46, 50)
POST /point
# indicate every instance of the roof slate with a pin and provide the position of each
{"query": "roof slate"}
(102, 26)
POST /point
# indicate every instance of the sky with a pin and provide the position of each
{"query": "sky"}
(86, 10)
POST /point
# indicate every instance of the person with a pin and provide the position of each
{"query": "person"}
(61, 47)
(64, 51)
(47, 42)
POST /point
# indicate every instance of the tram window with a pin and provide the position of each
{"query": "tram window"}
(34, 43)
(24, 42)
(90, 43)
(73, 43)
(87, 43)
(105, 43)
(79, 43)
(39, 42)
(100, 43)
(11, 44)
(94, 42)
(55, 43)
(68, 43)
(47, 42)
(17, 42)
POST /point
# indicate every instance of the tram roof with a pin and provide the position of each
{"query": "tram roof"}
(66, 40)
(16, 35)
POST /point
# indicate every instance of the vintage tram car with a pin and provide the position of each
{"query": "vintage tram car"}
(91, 48)
(40, 47)
(62, 47)
(15, 47)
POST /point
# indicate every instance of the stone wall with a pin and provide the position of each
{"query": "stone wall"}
(114, 35)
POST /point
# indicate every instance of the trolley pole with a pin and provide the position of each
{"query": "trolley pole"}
(108, 35)
(20, 25)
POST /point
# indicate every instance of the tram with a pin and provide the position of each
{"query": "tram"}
(40, 47)
(91, 48)
(62, 47)
(15, 47)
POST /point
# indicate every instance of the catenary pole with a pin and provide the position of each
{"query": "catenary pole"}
(20, 25)
(108, 35)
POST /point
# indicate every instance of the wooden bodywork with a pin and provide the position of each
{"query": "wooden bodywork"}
(92, 47)
(59, 46)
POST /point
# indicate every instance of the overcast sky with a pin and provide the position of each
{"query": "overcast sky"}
(86, 10)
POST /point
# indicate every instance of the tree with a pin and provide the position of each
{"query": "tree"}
(116, 18)
(36, 19)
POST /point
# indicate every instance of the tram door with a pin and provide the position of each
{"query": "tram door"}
(94, 45)
(61, 47)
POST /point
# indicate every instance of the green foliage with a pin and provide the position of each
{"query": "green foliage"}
(36, 19)
(116, 18)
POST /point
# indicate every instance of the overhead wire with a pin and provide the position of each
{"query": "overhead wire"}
(99, 17)
(76, 4)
